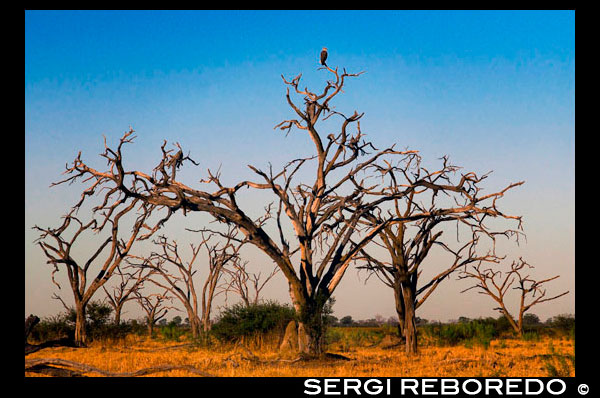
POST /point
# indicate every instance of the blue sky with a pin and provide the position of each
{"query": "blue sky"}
(494, 90)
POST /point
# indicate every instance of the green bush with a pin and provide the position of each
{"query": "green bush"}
(98, 325)
(240, 321)
(564, 324)
(531, 335)
(477, 331)
(172, 331)
(53, 328)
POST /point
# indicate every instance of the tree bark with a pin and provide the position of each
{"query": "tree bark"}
(150, 328)
(399, 309)
(118, 314)
(80, 332)
(410, 326)
(30, 323)
(310, 324)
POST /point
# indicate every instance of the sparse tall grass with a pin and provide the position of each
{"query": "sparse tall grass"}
(503, 357)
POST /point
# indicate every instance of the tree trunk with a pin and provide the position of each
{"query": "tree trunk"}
(30, 323)
(410, 324)
(118, 309)
(150, 328)
(310, 338)
(310, 321)
(206, 326)
(399, 309)
(311, 331)
(80, 334)
(518, 327)
(196, 324)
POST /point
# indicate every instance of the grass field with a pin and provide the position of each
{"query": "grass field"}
(505, 357)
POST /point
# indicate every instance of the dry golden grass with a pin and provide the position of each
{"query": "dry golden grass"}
(504, 358)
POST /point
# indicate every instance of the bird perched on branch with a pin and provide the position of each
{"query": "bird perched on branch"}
(324, 56)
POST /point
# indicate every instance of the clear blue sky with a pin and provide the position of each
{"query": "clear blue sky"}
(494, 90)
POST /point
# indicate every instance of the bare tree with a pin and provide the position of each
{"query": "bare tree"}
(128, 283)
(175, 275)
(419, 217)
(319, 221)
(154, 307)
(58, 244)
(492, 283)
(323, 212)
(245, 284)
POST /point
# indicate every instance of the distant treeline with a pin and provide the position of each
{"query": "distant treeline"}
(563, 321)
(270, 318)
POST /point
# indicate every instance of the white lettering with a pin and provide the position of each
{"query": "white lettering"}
(312, 383)
(428, 383)
(497, 387)
(355, 387)
(510, 384)
(447, 388)
(564, 387)
(539, 383)
(404, 387)
(376, 390)
(331, 383)
(466, 391)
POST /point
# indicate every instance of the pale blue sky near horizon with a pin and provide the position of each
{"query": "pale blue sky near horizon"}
(494, 90)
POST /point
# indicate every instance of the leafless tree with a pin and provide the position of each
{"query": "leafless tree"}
(319, 220)
(60, 244)
(419, 217)
(493, 283)
(175, 275)
(154, 305)
(127, 283)
(245, 284)
(323, 212)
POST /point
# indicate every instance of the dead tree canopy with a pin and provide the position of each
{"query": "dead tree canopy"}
(128, 282)
(435, 200)
(494, 283)
(247, 285)
(60, 245)
(155, 306)
(314, 228)
(323, 212)
(174, 272)
(115, 224)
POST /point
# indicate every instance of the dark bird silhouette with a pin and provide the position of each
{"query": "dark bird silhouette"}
(324, 56)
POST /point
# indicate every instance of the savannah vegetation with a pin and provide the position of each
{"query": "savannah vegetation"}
(349, 203)
(245, 341)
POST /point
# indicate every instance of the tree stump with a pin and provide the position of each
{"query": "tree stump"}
(30, 323)
(289, 344)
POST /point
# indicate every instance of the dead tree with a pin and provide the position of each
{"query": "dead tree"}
(154, 307)
(493, 283)
(245, 284)
(316, 235)
(127, 283)
(59, 244)
(434, 202)
(175, 275)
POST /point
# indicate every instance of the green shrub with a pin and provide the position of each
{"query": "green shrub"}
(98, 326)
(172, 331)
(532, 335)
(477, 331)
(53, 328)
(564, 324)
(240, 321)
